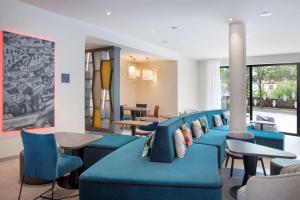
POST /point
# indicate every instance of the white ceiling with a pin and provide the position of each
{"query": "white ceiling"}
(127, 53)
(202, 24)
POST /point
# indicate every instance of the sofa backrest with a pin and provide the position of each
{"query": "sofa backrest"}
(210, 116)
(163, 149)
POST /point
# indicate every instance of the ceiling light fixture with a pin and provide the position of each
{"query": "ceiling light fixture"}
(108, 13)
(153, 31)
(165, 41)
(230, 19)
(174, 27)
(265, 14)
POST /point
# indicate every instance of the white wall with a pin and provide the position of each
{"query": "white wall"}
(162, 93)
(128, 88)
(69, 42)
(188, 85)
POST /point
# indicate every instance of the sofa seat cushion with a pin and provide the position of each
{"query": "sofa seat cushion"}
(215, 138)
(226, 127)
(126, 166)
(222, 128)
(266, 134)
(101, 148)
(111, 140)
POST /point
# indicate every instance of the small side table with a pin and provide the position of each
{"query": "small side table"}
(262, 123)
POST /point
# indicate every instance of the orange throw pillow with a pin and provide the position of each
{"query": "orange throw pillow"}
(187, 134)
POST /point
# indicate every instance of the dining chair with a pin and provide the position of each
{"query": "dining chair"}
(142, 113)
(155, 112)
(123, 116)
(42, 160)
(246, 137)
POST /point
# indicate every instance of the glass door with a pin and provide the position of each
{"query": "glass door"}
(273, 91)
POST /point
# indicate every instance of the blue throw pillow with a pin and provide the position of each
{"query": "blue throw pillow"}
(204, 124)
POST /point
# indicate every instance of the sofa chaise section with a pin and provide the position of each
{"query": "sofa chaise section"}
(124, 174)
(109, 143)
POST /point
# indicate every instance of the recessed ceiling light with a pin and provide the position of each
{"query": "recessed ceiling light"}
(153, 31)
(165, 41)
(174, 27)
(108, 13)
(265, 14)
(230, 19)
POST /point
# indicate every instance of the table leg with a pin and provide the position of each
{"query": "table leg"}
(72, 181)
(250, 164)
(261, 127)
(133, 129)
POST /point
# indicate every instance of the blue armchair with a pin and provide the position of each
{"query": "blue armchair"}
(42, 160)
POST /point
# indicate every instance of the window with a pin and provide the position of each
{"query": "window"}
(271, 91)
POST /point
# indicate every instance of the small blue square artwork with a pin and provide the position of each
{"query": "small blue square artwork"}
(65, 78)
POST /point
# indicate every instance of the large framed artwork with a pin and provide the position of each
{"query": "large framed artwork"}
(27, 81)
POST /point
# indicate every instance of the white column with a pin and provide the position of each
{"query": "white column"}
(237, 66)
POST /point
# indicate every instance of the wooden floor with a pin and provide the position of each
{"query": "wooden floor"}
(9, 176)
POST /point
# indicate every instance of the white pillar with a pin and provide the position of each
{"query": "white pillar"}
(237, 68)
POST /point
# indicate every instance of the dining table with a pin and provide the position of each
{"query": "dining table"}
(74, 143)
(133, 124)
(250, 153)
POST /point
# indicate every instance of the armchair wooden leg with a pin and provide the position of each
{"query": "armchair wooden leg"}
(263, 166)
(232, 164)
(21, 187)
(226, 162)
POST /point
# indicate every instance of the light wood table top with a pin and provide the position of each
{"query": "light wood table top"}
(151, 119)
(167, 116)
(132, 122)
(136, 108)
(250, 149)
(68, 140)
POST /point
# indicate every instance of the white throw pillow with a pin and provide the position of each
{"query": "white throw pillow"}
(197, 130)
(218, 121)
(179, 143)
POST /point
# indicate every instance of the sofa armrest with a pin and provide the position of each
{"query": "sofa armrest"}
(273, 187)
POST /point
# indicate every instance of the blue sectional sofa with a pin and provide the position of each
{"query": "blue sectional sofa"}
(125, 174)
